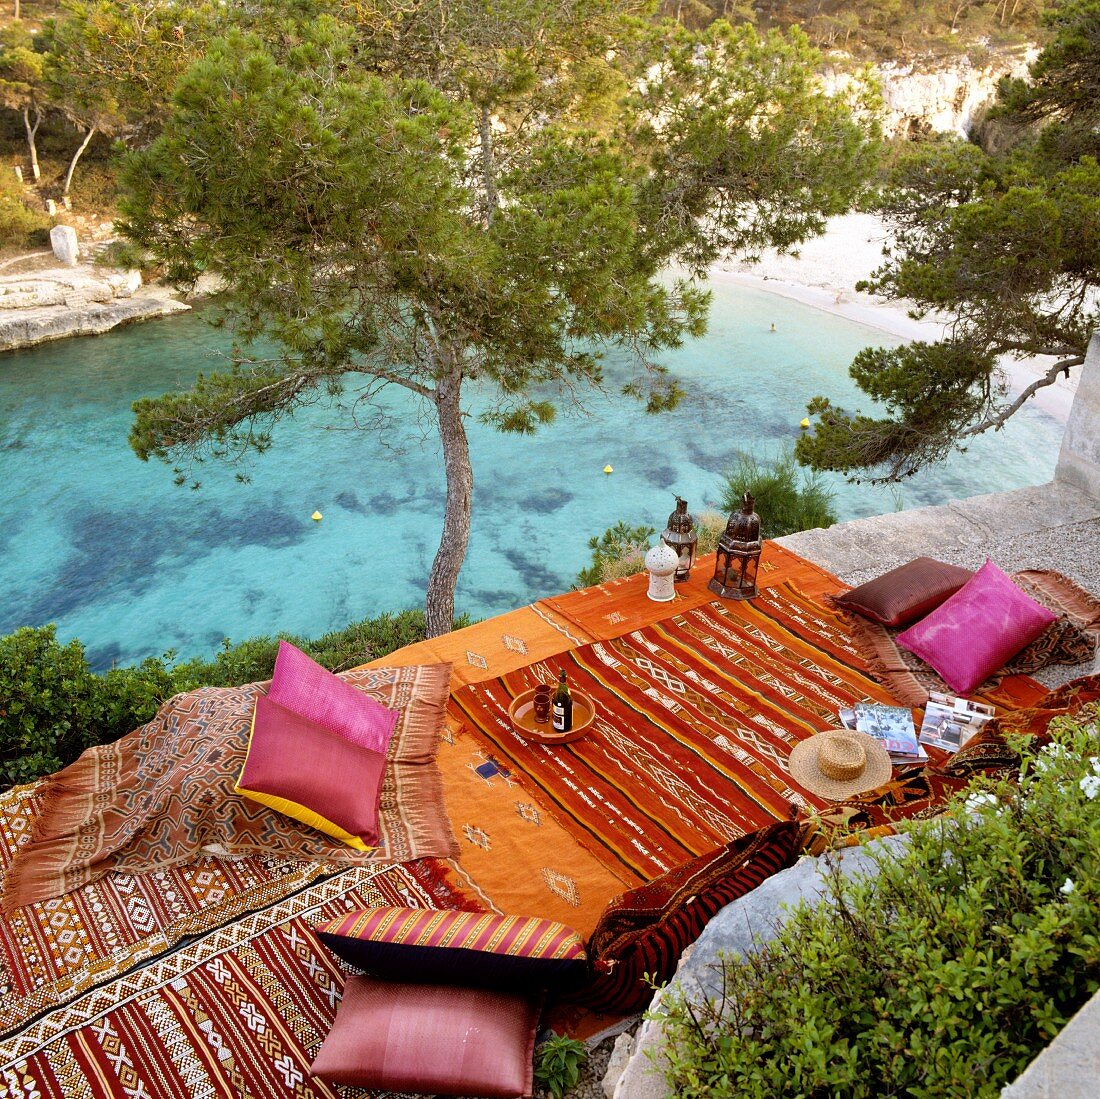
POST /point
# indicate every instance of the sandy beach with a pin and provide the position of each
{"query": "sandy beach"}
(824, 274)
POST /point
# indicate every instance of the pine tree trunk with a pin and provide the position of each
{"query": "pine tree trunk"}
(488, 166)
(440, 603)
(32, 135)
(76, 156)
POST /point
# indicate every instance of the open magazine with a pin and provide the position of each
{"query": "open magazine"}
(949, 721)
(893, 725)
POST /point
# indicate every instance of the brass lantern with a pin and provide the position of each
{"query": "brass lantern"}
(738, 557)
(681, 537)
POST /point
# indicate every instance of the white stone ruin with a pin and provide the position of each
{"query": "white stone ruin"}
(64, 244)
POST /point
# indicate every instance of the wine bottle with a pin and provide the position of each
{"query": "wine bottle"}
(562, 706)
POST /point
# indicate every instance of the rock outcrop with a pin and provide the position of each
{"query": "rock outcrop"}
(738, 929)
(947, 97)
(57, 302)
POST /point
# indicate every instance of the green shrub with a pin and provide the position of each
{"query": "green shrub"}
(245, 662)
(942, 976)
(558, 1064)
(788, 499)
(618, 552)
(21, 228)
(48, 702)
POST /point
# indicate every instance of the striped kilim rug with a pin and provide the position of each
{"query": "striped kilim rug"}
(233, 1000)
(696, 717)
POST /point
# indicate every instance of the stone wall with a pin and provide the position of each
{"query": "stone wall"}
(1079, 458)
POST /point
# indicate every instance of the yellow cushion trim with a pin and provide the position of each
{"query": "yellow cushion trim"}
(293, 809)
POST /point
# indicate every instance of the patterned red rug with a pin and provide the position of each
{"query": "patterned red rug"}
(697, 715)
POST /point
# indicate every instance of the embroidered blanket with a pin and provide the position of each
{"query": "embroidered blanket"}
(163, 795)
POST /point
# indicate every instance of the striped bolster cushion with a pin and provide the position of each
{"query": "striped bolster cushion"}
(471, 948)
(643, 932)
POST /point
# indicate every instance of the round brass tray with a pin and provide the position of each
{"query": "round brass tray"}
(522, 713)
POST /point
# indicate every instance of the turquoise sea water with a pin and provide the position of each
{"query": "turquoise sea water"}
(109, 549)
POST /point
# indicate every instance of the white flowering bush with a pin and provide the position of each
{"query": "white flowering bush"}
(943, 975)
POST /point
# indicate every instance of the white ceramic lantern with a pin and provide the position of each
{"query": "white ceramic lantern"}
(660, 563)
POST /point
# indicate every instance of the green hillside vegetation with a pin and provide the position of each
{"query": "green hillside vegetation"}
(881, 28)
(107, 68)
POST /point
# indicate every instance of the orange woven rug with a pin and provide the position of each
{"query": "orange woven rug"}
(696, 716)
(204, 977)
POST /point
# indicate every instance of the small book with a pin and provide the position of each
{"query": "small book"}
(949, 721)
(893, 725)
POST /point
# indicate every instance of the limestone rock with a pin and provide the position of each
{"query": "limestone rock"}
(64, 243)
(953, 97)
(620, 1055)
(54, 303)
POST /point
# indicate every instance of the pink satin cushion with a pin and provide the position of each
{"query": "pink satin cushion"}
(302, 685)
(978, 630)
(290, 767)
(431, 1040)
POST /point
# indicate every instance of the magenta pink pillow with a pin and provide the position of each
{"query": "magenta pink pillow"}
(302, 685)
(431, 1039)
(290, 767)
(978, 630)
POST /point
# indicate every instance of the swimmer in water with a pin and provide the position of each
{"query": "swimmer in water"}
(773, 328)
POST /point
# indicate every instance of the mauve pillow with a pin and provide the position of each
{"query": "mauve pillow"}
(906, 593)
(451, 946)
(978, 630)
(431, 1040)
(302, 685)
(290, 767)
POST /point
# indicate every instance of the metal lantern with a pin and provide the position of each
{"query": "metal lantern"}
(681, 536)
(738, 557)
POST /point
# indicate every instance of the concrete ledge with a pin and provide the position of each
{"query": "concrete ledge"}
(1016, 523)
(1069, 1068)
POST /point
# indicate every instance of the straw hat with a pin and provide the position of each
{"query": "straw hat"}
(839, 763)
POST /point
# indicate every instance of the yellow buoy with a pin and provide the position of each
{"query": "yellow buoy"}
(317, 517)
(608, 469)
(805, 423)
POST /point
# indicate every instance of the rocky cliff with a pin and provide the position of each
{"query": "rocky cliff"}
(943, 97)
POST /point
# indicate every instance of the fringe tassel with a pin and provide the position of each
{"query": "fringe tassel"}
(884, 661)
(45, 866)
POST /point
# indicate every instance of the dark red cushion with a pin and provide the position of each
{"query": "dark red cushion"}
(431, 1040)
(906, 593)
(644, 931)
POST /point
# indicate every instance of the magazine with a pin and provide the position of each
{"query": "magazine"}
(893, 725)
(949, 721)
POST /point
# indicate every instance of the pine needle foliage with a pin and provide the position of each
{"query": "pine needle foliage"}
(788, 499)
